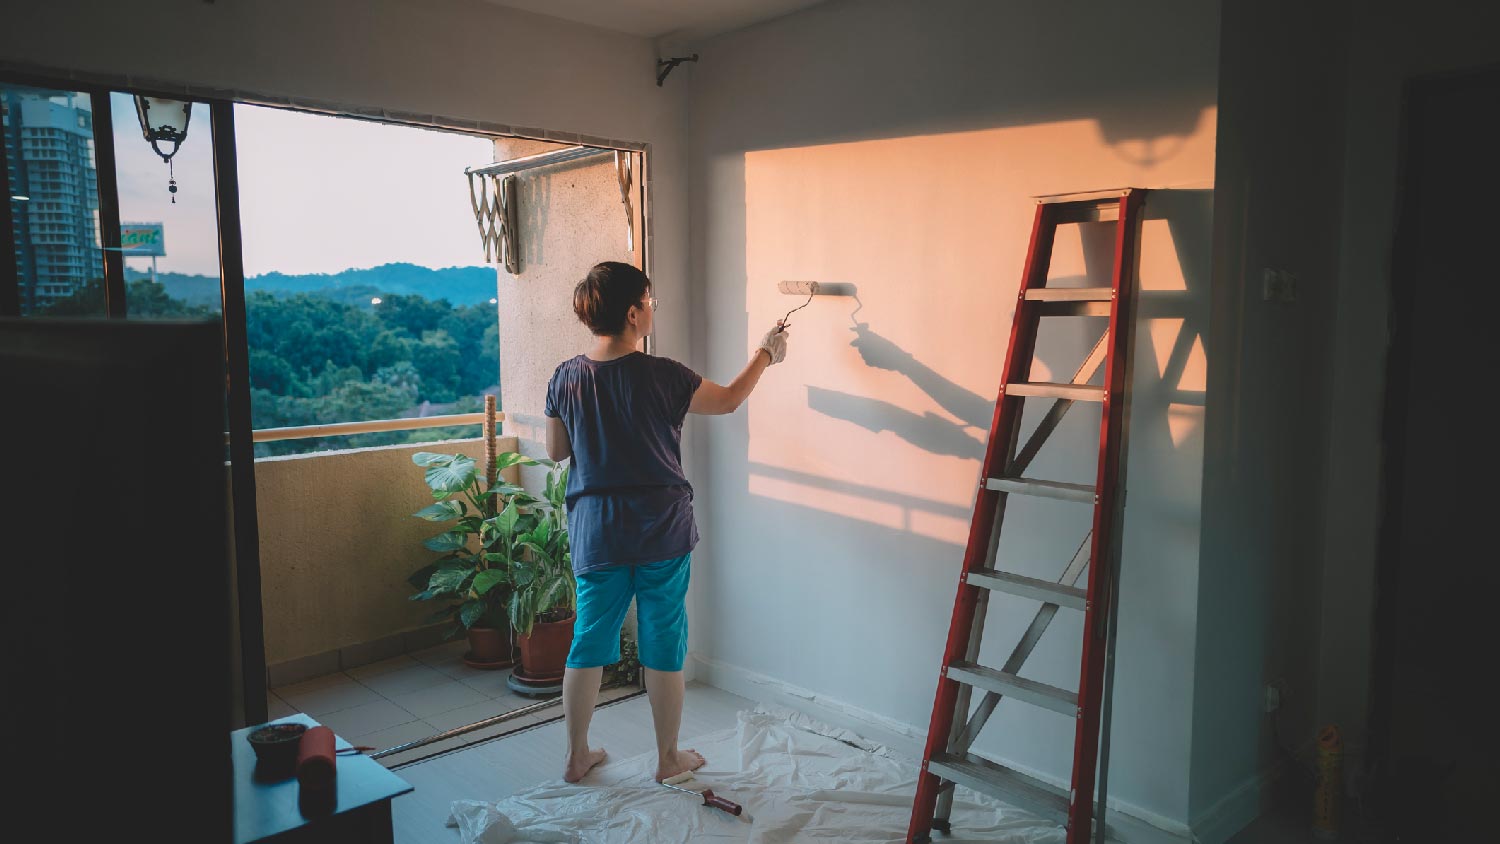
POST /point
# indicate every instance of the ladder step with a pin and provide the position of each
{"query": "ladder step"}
(1070, 294)
(1002, 783)
(1082, 493)
(1052, 390)
(1030, 587)
(1020, 688)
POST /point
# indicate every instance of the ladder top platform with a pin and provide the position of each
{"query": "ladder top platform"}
(1087, 196)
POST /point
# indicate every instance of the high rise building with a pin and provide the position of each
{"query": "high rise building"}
(49, 157)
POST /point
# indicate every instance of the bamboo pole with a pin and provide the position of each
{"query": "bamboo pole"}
(489, 453)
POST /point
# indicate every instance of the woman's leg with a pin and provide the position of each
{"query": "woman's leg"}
(580, 693)
(603, 597)
(661, 612)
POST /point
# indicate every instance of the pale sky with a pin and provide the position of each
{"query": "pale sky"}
(317, 194)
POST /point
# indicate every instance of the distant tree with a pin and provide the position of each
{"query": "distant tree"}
(412, 314)
(389, 348)
(438, 359)
(401, 374)
(144, 299)
(272, 374)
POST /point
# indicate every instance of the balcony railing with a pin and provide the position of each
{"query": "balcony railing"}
(343, 429)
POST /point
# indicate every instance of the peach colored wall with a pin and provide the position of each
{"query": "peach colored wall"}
(837, 501)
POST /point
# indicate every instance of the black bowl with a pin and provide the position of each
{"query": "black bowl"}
(276, 745)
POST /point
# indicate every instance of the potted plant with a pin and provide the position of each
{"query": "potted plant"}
(473, 573)
(544, 596)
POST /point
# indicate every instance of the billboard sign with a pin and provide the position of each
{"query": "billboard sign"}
(142, 239)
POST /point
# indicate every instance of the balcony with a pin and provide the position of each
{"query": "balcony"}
(343, 642)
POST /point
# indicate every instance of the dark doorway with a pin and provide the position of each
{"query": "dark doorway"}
(1434, 736)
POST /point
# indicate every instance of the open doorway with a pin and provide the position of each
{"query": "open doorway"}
(363, 313)
(1436, 767)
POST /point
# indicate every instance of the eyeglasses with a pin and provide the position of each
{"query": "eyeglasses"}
(652, 302)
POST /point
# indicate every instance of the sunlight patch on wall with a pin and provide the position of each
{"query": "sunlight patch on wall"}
(1183, 422)
(837, 503)
(1164, 333)
(892, 389)
(941, 528)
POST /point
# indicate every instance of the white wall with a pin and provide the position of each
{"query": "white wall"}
(896, 147)
(1277, 206)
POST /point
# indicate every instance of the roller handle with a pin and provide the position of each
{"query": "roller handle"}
(711, 799)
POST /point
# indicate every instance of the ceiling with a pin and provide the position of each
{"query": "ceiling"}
(656, 18)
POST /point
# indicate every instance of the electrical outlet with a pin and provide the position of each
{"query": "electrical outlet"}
(1273, 694)
(1278, 285)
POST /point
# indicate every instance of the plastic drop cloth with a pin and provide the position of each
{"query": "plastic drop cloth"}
(798, 779)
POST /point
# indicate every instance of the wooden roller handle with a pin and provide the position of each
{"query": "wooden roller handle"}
(710, 799)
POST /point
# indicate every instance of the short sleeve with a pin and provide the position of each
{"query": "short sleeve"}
(680, 383)
(552, 408)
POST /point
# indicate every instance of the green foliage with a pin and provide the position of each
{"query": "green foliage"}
(315, 361)
(318, 358)
(628, 669)
(144, 299)
(504, 556)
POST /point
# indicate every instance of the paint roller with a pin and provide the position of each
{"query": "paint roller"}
(796, 288)
(811, 289)
(709, 798)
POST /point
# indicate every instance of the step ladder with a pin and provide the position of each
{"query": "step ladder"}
(947, 759)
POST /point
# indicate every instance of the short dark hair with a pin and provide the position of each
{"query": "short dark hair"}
(606, 294)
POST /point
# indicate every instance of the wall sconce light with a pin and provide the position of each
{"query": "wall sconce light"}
(163, 122)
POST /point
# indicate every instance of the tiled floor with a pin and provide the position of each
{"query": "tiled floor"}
(410, 697)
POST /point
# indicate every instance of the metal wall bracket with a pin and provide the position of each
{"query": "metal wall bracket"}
(664, 66)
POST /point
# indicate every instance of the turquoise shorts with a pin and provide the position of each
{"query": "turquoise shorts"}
(659, 590)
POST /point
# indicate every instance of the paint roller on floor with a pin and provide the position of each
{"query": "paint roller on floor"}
(677, 782)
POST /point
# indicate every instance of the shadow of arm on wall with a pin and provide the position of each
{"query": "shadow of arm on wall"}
(926, 431)
(881, 353)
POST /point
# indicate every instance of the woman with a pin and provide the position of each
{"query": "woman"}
(618, 414)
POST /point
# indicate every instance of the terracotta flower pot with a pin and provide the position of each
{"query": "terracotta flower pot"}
(544, 653)
(489, 647)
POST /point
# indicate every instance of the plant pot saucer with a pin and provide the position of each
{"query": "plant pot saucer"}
(522, 683)
(490, 665)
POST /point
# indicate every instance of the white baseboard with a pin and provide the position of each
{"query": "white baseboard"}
(1131, 823)
(1234, 811)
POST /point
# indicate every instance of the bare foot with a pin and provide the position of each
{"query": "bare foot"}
(579, 766)
(681, 760)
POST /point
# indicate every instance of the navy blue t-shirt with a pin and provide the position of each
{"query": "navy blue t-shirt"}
(628, 499)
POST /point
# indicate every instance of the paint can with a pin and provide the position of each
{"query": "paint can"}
(1328, 794)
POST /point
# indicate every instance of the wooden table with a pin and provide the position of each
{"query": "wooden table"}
(276, 810)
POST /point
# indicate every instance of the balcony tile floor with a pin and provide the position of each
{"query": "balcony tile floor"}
(410, 697)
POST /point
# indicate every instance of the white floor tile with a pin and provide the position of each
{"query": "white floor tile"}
(367, 718)
(381, 667)
(435, 700)
(409, 678)
(465, 715)
(443, 652)
(397, 735)
(278, 708)
(327, 694)
(488, 683)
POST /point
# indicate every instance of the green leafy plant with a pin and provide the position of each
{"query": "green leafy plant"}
(504, 555)
(628, 669)
(541, 566)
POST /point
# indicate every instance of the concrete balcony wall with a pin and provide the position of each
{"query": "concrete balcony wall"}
(337, 542)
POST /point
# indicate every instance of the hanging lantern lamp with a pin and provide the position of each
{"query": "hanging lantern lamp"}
(164, 123)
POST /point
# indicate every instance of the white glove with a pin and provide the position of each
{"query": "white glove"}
(775, 344)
